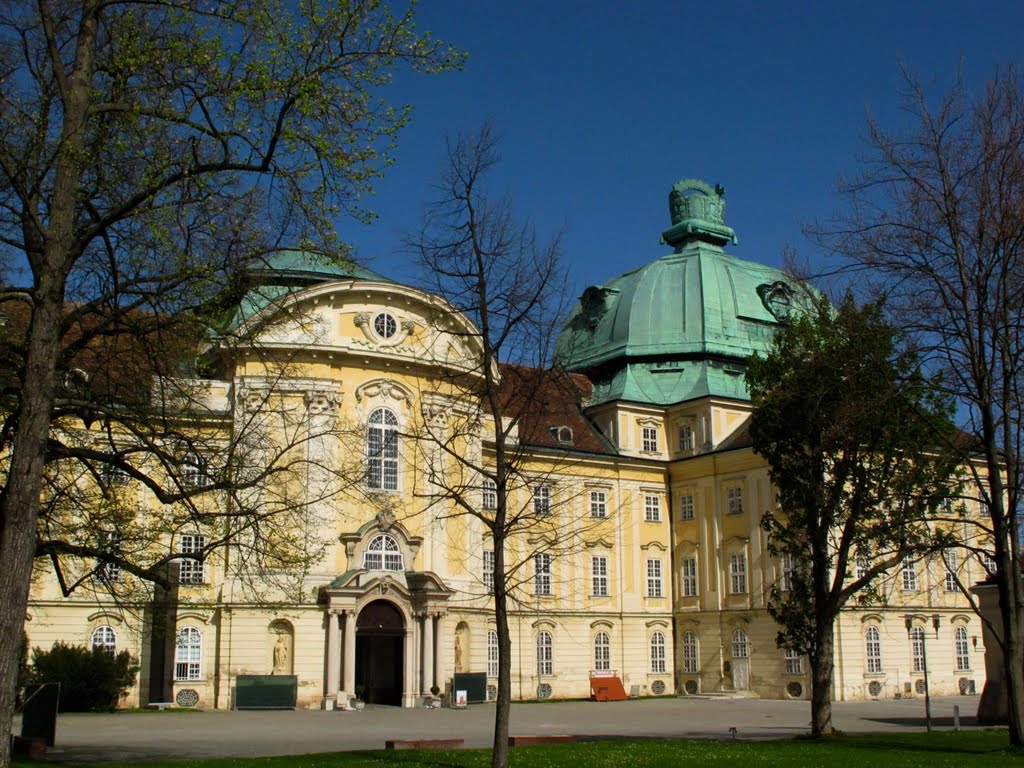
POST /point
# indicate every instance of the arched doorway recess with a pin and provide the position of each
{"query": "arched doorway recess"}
(380, 650)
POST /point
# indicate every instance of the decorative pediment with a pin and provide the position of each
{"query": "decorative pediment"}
(385, 389)
(602, 542)
(657, 545)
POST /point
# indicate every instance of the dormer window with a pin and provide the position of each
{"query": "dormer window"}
(562, 434)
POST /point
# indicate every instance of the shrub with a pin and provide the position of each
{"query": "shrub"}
(90, 678)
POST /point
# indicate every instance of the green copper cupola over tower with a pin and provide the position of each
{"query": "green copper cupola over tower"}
(683, 326)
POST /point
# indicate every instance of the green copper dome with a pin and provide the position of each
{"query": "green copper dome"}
(683, 326)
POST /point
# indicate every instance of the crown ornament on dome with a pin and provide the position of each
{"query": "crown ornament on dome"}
(698, 213)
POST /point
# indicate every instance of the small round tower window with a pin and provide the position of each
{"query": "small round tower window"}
(385, 325)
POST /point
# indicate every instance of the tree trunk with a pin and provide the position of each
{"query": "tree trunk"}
(503, 708)
(821, 682)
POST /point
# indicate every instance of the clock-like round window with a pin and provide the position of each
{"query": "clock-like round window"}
(385, 325)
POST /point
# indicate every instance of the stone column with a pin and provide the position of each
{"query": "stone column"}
(409, 672)
(333, 655)
(349, 681)
(428, 652)
(440, 650)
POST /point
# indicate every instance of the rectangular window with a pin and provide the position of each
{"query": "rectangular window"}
(949, 557)
(873, 650)
(542, 574)
(490, 495)
(689, 570)
(598, 504)
(909, 576)
(734, 500)
(794, 662)
(786, 564)
(195, 472)
(917, 650)
(687, 510)
(650, 439)
(654, 578)
(652, 509)
(738, 573)
(191, 570)
(542, 500)
(988, 562)
(599, 575)
(492, 653)
(489, 571)
(685, 437)
(109, 541)
(863, 565)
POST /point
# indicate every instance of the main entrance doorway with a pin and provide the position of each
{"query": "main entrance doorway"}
(380, 646)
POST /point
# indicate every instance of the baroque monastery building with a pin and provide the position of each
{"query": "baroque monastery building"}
(648, 562)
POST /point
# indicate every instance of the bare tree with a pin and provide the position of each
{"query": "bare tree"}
(490, 267)
(147, 149)
(936, 222)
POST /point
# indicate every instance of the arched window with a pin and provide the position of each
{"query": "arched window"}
(492, 653)
(104, 639)
(917, 648)
(188, 654)
(382, 450)
(740, 645)
(963, 651)
(658, 653)
(873, 650)
(602, 652)
(691, 665)
(383, 554)
(544, 654)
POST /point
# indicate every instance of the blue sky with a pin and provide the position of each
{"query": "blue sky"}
(603, 105)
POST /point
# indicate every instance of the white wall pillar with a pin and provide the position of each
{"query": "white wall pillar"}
(333, 654)
(440, 653)
(409, 673)
(428, 652)
(349, 680)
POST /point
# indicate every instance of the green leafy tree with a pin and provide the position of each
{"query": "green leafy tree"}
(849, 427)
(150, 152)
(91, 679)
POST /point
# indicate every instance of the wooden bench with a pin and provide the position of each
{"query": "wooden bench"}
(529, 741)
(424, 743)
(161, 705)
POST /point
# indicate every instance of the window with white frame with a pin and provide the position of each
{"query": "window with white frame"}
(191, 568)
(734, 499)
(873, 650)
(988, 562)
(786, 566)
(794, 662)
(492, 653)
(686, 441)
(863, 564)
(382, 450)
(599, 575)
(490, 494)
(687, 509)
(188, 654)
(950, 559)
(383, 554)
(488, 574)
(110, 541)
(542, 500)
(545, 655)
(602, 652)
(658, 653)
(385, 325)
(654, 578)
(598, 504)
(652, 508)
(740, 644)
(689, 576)
(691, 665)
(104, 639)
(909, 576)
(738, 573)
(962, 649)
(195, 471)
(649, 439)
(917, 648)
(542, 574)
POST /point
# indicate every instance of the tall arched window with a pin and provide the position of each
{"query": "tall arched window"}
(691, 665)
(740, 645)
(105, 639)
(544, 654)
(963, 651)
(383, 554)
(658, 653)
(602, 652)
(382, 450)
(873, 650)
(917, 648)
(188, 654)
(492, 653)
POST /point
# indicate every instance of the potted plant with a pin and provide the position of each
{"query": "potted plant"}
(360, 690)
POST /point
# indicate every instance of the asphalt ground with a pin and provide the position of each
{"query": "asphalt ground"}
(141, 736)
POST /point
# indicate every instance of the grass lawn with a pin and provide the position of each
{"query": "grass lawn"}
(967, 748)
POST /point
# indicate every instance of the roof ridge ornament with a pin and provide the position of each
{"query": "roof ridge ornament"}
(698, 213)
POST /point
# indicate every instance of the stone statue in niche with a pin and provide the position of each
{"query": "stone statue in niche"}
(459, 666)
(462, 660)
(281, 651)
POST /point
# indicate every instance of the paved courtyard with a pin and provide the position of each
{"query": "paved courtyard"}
(165, 735)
